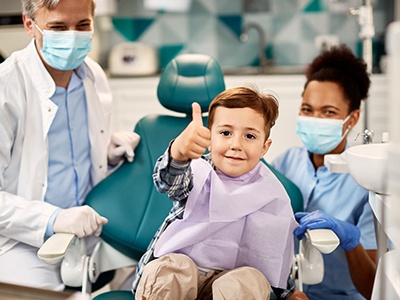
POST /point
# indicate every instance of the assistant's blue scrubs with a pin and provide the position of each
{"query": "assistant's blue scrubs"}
(339, 196)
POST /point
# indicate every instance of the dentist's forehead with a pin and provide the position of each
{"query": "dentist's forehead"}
(68, 12)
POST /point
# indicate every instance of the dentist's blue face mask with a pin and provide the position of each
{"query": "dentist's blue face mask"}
(65, 50)
(320, 135)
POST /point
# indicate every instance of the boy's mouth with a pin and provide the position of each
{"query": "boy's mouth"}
(234, 158)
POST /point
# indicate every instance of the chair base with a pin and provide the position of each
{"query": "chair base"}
(104, 278)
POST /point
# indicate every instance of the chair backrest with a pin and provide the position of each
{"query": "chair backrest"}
(128, 197)
(293, 191)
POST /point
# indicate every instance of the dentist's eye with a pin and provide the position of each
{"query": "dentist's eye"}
(84, 27)
(58, 28)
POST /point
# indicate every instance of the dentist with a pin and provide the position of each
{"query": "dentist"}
(55, 143)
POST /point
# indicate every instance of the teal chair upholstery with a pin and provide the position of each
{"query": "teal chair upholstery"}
(128, 197)
(293, 191)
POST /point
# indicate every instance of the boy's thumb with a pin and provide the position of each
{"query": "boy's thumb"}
(196, 114)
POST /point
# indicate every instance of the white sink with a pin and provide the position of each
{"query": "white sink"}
(367, 164)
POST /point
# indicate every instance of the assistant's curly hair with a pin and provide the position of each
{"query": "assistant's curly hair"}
(341, 66)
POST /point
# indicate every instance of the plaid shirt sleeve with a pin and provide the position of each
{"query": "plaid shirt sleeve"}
(172, 177)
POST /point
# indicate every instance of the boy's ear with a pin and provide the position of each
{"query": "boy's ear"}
(266, 146)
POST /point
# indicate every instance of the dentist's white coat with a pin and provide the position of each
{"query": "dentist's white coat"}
(26, 113)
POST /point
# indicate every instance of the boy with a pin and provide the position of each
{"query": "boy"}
(229, 234)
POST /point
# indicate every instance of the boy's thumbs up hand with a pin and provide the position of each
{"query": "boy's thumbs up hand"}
(196, 114)
(194, 140)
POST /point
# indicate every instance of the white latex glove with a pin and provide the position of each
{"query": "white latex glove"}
(122, 144)
(81, 221)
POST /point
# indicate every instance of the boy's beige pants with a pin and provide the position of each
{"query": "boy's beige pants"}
(176, 277)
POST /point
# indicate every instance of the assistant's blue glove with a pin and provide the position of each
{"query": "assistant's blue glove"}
(348, 234)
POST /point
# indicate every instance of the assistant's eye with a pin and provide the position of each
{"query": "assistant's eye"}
(305, 110)
(225, 132)
(330, 113)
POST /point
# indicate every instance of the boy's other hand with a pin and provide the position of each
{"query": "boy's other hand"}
(297, 295)
(194, 140)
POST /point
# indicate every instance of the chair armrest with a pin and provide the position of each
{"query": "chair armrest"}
(77, 267)
(324, 240)
(53, 250)
(309, 263)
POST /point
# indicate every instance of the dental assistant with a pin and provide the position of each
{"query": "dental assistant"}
(337, 82)
(55, 108)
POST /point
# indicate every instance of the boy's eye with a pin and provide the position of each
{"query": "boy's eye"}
(250, 136)
(225, 133)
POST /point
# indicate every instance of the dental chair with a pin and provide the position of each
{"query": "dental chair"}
(127, 197)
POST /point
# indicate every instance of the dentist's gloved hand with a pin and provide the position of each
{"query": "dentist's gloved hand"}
(81, 221)
(348, 234)
(122, 144)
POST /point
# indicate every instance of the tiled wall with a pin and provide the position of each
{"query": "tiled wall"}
(214, 26)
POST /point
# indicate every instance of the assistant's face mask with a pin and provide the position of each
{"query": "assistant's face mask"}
(65, 50)
(320, 135)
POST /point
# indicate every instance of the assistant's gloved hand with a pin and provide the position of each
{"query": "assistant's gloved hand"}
(348, 234)
(122, 144)
(81, 221)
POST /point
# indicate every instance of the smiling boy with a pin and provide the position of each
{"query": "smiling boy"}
(229, 234)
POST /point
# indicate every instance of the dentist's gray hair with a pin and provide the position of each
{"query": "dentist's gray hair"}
(30, 7)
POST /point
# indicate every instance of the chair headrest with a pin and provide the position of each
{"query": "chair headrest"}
(190, 78)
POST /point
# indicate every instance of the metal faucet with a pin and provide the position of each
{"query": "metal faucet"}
(368, 136)
(261, 42)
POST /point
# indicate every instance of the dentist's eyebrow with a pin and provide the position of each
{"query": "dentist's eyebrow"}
(63, 23)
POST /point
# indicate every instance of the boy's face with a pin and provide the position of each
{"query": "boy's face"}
(237, 140)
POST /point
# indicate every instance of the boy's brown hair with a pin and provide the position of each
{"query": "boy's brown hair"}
(241, 97)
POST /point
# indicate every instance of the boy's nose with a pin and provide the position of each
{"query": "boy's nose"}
(235, 143)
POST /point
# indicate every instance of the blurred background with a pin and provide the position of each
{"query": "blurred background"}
(288, 32)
